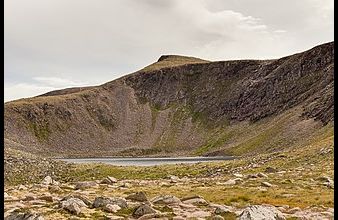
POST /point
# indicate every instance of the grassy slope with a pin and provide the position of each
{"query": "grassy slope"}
(303, 165)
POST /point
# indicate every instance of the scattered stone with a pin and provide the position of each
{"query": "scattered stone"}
(78, 196)
(103, 201)
(233, 181)
(112, 208)
(262, 189)
(67, 186)
(327, 181)
(288, 195)
(217, 217)
(22, 187)
(198, 215)
(195, 200)
(262, 175)
(143, 210)
(287, 181)
(152, 216)
(270, 170)
(85, 185)
(11, 199)
(138, 196)
(37, 203)
(47, 180)
(54, 189)
(191, 197)
(23, 216)
(165, 184)
(174, 178)
(114, 217)
(47, 198)
(187, 206)
(221, 210)
(238, 175)
(109, 180)
(266, 184)
(293, 210)
(73, 205)
(166, 199)
(329, 185)
(126, 185)
(256, 212)
(252, 176)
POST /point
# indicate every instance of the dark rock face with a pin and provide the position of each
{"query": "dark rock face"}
(245, 89)
(159, 110)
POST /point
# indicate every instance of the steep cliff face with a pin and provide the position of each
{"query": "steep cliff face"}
(240, 90)
(183, 106)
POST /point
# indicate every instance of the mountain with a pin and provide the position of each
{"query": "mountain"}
(184, 106)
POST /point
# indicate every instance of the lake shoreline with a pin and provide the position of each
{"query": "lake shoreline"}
(147, 161)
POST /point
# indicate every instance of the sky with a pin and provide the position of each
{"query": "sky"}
(57, 44)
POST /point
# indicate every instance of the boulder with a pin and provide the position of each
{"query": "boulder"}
(233, 181)
(172, 177)
(252, 176)
(166, 199)
(22, 187)
(79, 196)
(152, 216)
(30, 197)
(324, 179)
(138, 196)
(294, 210)
(111, 208)
(217, 217)
(73, 205)
(195, 200)
(238, 175)
(126, 185)
(54, 189)
(262, 175)
(270, 170)
(23, 216)
(327, 181)
(47, 180)
(47, 198)
(114, 217)
(178, 218)
(103, 201)
(266, 184)
(143, 209)
(222, 210)
(85, 185)
(256, 212)
(109, 180)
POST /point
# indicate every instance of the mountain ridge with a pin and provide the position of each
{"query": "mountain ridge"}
(181, 106)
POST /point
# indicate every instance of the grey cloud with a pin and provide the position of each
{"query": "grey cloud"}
(97, 41)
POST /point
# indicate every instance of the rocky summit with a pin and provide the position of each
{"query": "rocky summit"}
(275, 116)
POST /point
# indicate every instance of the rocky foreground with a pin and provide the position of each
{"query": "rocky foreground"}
(125, 199)
(292, 184)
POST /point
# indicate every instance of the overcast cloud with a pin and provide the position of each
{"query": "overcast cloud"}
(56, 44)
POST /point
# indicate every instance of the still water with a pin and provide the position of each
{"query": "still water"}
(147, 161)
